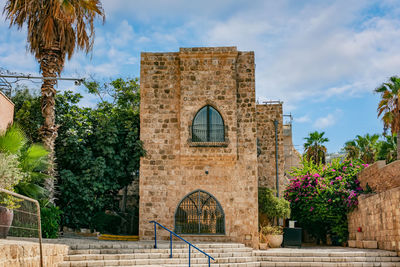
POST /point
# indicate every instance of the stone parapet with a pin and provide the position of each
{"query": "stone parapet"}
(381, 177)
(23, 253)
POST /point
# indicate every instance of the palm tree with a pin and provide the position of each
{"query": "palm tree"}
(30, 160)
(363, 147)
(389, 107)
(313, 147)
(387, 149)
(352, 150)
(55, 28)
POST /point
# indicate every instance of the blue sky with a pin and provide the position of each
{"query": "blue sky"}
(321, 58)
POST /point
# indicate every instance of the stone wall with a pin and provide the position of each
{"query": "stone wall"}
(381, 177)
(378, 214)
(174, 86)
(23, 253)
(266, 114)
(6, 112)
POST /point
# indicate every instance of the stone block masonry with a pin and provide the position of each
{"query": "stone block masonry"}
(266, 115)
(381, 177)
(378, 214)
(174, 87)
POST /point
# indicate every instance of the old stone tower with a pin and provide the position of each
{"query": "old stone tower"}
(200, 125)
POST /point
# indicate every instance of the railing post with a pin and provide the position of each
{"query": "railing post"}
(189, 255)
(155, 235)
(170, 244)
(209, 263)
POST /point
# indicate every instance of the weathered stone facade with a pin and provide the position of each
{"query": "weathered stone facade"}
(378, 215)
(174, 87)
(266, 115)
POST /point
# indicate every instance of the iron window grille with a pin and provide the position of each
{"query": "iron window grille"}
(199, 213)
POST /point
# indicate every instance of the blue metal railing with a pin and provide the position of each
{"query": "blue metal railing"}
(170, 243)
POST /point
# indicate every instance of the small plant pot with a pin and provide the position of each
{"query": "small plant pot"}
(275, 241)
(6, 218)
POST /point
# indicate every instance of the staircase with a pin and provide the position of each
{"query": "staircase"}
(225, 254)
(332, 257)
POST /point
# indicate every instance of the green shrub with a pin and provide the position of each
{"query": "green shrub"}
(50, 221)
(272, 206)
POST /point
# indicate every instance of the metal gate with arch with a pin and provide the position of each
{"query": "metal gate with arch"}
(199, 213)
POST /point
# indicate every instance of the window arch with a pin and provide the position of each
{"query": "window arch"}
(208, 126)
(199, 213)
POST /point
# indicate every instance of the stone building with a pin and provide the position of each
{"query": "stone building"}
(209, 145)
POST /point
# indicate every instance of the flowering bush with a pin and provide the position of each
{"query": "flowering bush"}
(320, 197)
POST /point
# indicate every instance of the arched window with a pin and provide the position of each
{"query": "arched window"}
(208, 126)
(199, 213)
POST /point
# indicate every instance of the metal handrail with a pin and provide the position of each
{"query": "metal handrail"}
(38, 218)
(184, 240)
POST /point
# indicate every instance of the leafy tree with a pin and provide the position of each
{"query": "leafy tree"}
(27, 113)
(389, 107)
(98, 149)
(314, 148)
(363, 147)
(54, 28)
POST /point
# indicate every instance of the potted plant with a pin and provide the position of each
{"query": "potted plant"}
(271, 208)
(273, 235)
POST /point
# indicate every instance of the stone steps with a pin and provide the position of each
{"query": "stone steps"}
(225, 254)
(327, 258)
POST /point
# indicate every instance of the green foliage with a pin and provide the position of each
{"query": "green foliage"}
(321, 196)
(21, 166)
(51, 218)
(364, 148)
(387, 148)
(98, 150)
(272, 206)
(28, 113)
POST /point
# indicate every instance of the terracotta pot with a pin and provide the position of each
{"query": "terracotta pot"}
(6, 218)
(275, 241)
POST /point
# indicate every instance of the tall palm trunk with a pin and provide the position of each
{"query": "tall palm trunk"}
(50, 63)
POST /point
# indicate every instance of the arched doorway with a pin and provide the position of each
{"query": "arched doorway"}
(199, 213)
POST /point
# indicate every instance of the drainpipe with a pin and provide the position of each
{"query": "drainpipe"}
(276, 157)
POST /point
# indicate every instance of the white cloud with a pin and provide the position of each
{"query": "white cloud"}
(302, 119)
(328, 120)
